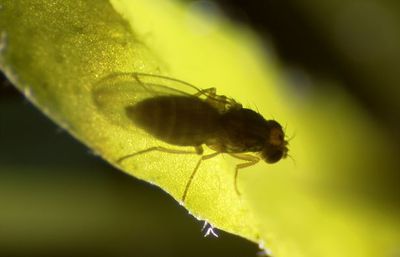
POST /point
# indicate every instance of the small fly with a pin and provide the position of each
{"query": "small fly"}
(203, 118)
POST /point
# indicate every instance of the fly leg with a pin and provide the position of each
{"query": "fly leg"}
(203, 158)
(198, 150)
(250, 161)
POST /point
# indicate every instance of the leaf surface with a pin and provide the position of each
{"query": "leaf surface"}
(58, 53)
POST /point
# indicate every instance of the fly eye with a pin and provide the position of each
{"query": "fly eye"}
(272, 156)
(277, 137)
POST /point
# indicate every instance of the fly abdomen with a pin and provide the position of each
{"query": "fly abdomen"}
(178, 120)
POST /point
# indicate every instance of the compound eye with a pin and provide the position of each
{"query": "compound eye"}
(276, 136)
(280, 136)
(273, 156)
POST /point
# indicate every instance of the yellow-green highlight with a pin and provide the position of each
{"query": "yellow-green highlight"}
(315, 206)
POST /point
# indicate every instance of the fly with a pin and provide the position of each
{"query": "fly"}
(200, 119)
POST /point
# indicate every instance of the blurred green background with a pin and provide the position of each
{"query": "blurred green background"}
(57, 198)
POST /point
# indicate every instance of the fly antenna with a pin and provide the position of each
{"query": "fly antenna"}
(293, 160)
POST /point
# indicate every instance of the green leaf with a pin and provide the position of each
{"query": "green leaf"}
(60, 54)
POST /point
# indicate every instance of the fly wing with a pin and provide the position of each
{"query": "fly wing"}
(113, 93)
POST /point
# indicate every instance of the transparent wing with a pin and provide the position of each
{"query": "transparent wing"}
(113, 93)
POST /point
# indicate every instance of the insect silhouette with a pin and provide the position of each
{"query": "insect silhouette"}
(198, 119)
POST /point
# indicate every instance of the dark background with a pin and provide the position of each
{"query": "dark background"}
(355, 43)
(117, 215)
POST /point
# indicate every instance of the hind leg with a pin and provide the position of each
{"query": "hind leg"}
(203, 158)
(198, 150)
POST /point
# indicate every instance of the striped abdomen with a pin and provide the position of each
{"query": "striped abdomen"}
(178, 120)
